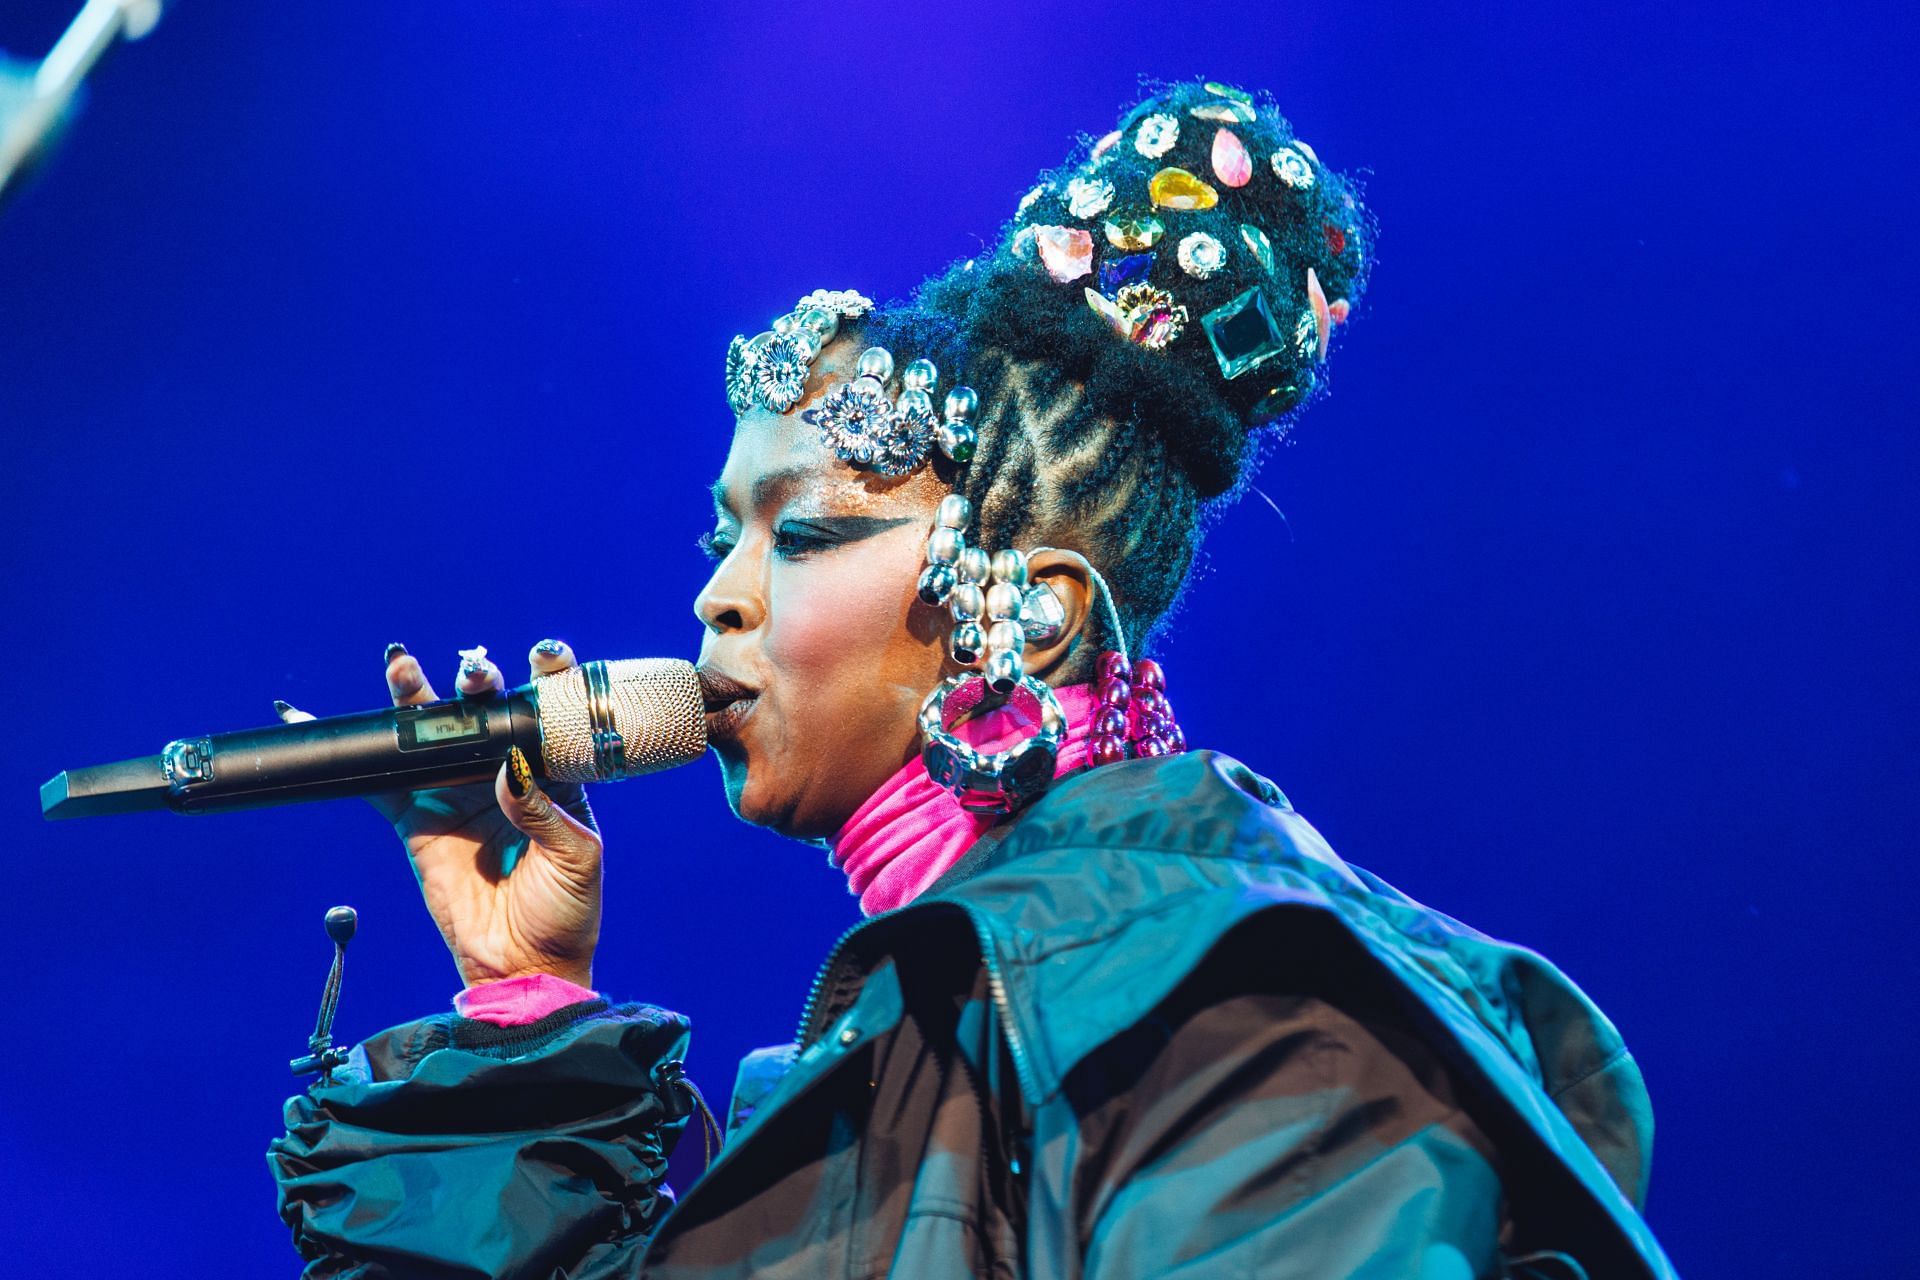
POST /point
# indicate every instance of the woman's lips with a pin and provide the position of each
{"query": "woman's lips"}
(723, 722)
(727, 703)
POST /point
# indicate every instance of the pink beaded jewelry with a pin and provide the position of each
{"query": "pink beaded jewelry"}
(1133, 717)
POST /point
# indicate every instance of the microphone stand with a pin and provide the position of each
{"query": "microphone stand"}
(34, 104)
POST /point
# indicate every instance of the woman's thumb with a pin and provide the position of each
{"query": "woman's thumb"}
(573, 845)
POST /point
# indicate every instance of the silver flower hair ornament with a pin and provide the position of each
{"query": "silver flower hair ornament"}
(770, 369)
(894, 436)
(858, 419)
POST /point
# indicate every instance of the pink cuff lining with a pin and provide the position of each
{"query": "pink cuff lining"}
(514, 1002)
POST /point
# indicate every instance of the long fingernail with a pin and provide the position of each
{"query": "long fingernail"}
(552, 648)
(395, 650)
(519, 773)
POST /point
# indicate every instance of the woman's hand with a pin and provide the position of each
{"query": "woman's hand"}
(510, 873)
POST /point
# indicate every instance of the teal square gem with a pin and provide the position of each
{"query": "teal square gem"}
(1243, 334)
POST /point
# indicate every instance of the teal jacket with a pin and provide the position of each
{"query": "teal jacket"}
(1152, 1026)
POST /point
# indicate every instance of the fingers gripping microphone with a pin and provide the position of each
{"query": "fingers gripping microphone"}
(597, 722)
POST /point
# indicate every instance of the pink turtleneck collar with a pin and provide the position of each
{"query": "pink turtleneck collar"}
(912, 831)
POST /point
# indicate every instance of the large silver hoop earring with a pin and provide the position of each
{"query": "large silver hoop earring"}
(998, 781)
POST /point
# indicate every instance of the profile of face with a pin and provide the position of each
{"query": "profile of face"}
(817, 650)
(812, 619)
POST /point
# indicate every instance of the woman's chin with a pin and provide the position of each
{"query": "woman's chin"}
(783, 815)
(749, 802)
(733, 780)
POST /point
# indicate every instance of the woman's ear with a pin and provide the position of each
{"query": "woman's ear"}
(1065, 574)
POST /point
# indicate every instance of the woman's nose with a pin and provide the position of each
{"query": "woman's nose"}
(727, 602)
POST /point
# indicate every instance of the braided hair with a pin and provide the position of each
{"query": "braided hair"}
(1093, 432)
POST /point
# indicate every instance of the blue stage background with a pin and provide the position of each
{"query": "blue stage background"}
(1591, 619)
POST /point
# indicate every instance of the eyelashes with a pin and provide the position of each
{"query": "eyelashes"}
(788, 543)
(793, 540)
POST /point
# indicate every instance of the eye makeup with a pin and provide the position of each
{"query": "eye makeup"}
(795, 537)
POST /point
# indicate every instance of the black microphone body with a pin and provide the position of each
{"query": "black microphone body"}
(599, 722)
(438, 744)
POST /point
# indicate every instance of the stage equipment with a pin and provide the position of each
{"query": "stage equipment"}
(33, 103)
(597, 722)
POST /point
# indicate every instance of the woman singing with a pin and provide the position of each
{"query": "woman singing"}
(1117, 1010)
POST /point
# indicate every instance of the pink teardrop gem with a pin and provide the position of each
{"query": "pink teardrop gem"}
(1231, 163)
(1322, 314)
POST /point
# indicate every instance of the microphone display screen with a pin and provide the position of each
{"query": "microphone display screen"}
(437, 726)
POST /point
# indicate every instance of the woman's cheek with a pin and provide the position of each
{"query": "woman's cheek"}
(831, 614)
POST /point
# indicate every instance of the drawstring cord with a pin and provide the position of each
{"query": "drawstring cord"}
(671, 1077)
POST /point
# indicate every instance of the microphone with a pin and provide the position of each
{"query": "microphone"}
(597, 722)
(33, 102)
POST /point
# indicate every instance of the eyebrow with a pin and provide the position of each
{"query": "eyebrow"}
(763, 487)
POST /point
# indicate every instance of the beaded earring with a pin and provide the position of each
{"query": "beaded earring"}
(1134, 711)
(1133, 719)
(987, 597)
(996, 611)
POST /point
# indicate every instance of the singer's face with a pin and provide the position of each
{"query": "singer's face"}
(812, 611)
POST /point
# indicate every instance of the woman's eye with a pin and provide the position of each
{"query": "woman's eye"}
(796, 540)
(789, 542)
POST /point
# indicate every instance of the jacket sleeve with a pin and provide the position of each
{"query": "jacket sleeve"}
(1278, 1136)
(456, 1148)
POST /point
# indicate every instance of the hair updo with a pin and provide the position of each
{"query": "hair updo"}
(1155, 307)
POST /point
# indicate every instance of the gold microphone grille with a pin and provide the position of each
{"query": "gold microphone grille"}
(603, 721)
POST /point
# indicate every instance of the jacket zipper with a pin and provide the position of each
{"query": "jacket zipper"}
(996, 991)
(804, 1036)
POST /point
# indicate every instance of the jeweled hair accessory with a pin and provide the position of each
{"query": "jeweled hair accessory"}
(865, 426)
(770, 369)
(859, 419)
(1204, 229)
